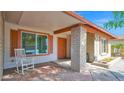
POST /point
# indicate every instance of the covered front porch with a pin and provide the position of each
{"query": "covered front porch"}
(54, 26)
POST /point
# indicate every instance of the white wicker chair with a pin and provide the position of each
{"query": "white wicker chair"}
(22, 62)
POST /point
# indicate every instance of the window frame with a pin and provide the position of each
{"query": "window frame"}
(36, 34)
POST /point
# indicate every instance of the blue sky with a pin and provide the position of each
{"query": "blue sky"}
(99, 18)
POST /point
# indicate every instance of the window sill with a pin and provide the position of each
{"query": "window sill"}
(30, 55)
(103, 54)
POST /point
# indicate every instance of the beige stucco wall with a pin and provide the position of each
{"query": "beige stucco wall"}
(68, 46)
(90, 46)
(93, 47)
(97, 35)
(8, 61)
(1, 45)
(97, 54)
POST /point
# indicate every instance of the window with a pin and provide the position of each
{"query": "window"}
(104, 45)
(34, 43)
(42, 44)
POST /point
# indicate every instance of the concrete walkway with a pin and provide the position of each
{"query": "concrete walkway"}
(96, 73)
(118, 66)
(102, 74)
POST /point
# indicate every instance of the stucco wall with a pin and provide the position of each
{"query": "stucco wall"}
(8, 61)
(90, 46)
(97, 48)
(98, 34)
(68, 46)
(1, 46)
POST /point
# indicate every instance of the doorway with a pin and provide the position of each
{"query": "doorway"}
(62, 43)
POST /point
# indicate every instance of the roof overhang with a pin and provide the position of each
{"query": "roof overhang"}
(51, 20)
(73, 14)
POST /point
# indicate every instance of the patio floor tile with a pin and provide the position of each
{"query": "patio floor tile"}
(54, 72)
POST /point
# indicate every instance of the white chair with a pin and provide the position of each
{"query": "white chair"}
(22, 62)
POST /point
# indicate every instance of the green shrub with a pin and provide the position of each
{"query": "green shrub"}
(117, 46)
(107, 59)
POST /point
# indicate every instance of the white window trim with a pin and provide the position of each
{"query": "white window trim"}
(36, 42)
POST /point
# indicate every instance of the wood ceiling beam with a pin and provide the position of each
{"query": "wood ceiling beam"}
(66, 29)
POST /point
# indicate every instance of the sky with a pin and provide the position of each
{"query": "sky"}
(99, 18)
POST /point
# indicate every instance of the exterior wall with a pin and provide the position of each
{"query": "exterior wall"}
(1, 45)
(9, 61)
(90, 46)
(97, 48)
(68, 46)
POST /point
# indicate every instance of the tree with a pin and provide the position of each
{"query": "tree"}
(117, 22)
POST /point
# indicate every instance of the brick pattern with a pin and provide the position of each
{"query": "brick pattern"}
(78, 48)
(1, 46)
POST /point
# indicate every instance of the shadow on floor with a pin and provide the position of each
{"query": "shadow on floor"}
(54, 72)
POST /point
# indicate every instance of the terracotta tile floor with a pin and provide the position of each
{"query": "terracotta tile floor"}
(54, 72)
(44, 71)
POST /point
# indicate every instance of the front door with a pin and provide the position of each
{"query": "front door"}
(61, 48)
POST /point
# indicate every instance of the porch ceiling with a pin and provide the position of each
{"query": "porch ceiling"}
(47, 21)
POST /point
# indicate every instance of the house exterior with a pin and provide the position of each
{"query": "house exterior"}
(49, 36)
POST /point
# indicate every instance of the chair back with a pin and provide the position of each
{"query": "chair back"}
(20, 53)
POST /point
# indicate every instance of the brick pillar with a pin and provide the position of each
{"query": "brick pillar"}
(1, 46)
(78, 48)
